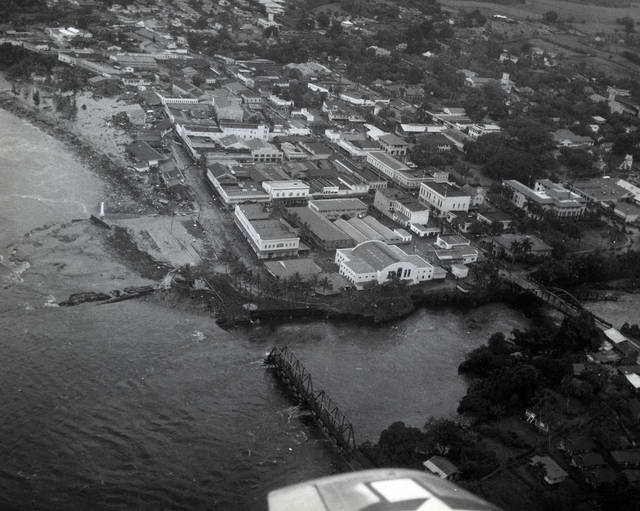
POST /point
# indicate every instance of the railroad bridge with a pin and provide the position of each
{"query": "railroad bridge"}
(558, 298)
(298, 380)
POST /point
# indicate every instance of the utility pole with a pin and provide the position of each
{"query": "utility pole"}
(173, 212)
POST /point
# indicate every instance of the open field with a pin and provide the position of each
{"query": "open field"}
(578, 46)
(579, 12)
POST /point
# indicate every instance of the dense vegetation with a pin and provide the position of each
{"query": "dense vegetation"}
(402, 445)
(597, 268)
(19, 63)
(522, 151)
(511, 372)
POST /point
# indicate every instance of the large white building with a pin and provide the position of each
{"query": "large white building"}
(547, 196)
(444, 198)
(245, 130)
(401, 207)
(396, 171)
(393, 145)
(286, 190)
(269, 238)
(376, 262)
(265, 152)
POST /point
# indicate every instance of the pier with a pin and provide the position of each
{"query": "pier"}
(298, 380)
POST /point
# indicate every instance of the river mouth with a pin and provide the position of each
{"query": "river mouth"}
(144, 403)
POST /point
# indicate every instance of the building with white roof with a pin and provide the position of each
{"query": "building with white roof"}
(284, 190)
(396, 170)
(293, 152)
(376, 262)
(548, 196)
(553, 473)
(478, 130)
(393, 145)
(630, 187)
(368, 228)
(335, 208)
(245, 130)
(441, 467)
(268, 237)
(401, 207)
(262, 151)
(444, 198)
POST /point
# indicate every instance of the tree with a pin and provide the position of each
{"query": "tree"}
(526, 245)
(577, 334)
(198, 80)
(510, 163)
(324, 21)
(201, 23)
(387, 37)
(516, 249)
(271, 32)
(36, 97)
(490, 100)
(335, 30)
(628, 24)
(400, 441)
(305, 23)
(550, 17)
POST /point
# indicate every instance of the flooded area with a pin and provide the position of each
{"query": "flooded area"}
(136, 404)
(624, 310)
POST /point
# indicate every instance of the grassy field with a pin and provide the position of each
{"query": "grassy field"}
(579, 12)
(587, 20)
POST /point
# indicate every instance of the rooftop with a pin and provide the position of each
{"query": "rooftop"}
(392, 139)
(374, 255)
(442, 464)
(319, 225)
(551, 468)
(332, 204)
(305, 267)
(445, 189)
(506, 240)
(601, 189)
(387, 160)
(406, 200)
(268, 228)
(142, 151)
(317, 148)
(286, 185)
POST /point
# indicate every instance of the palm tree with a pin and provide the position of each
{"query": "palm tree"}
(325, 283)
(526, 245)
(516, 249)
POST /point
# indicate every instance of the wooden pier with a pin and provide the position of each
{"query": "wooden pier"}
(298, 380)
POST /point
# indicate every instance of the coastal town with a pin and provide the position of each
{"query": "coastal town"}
(301, 157)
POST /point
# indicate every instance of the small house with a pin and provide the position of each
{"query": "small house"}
(553, 473)
(441, 467)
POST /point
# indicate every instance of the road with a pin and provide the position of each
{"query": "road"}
(217, 222)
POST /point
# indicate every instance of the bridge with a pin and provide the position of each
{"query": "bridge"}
(556, 297)
(298, 380)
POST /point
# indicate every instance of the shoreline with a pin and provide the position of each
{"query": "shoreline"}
(125, 195)
(232, 314)
(117, 181)
(115, 178)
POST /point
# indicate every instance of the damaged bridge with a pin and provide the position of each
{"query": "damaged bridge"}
(298, 380)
